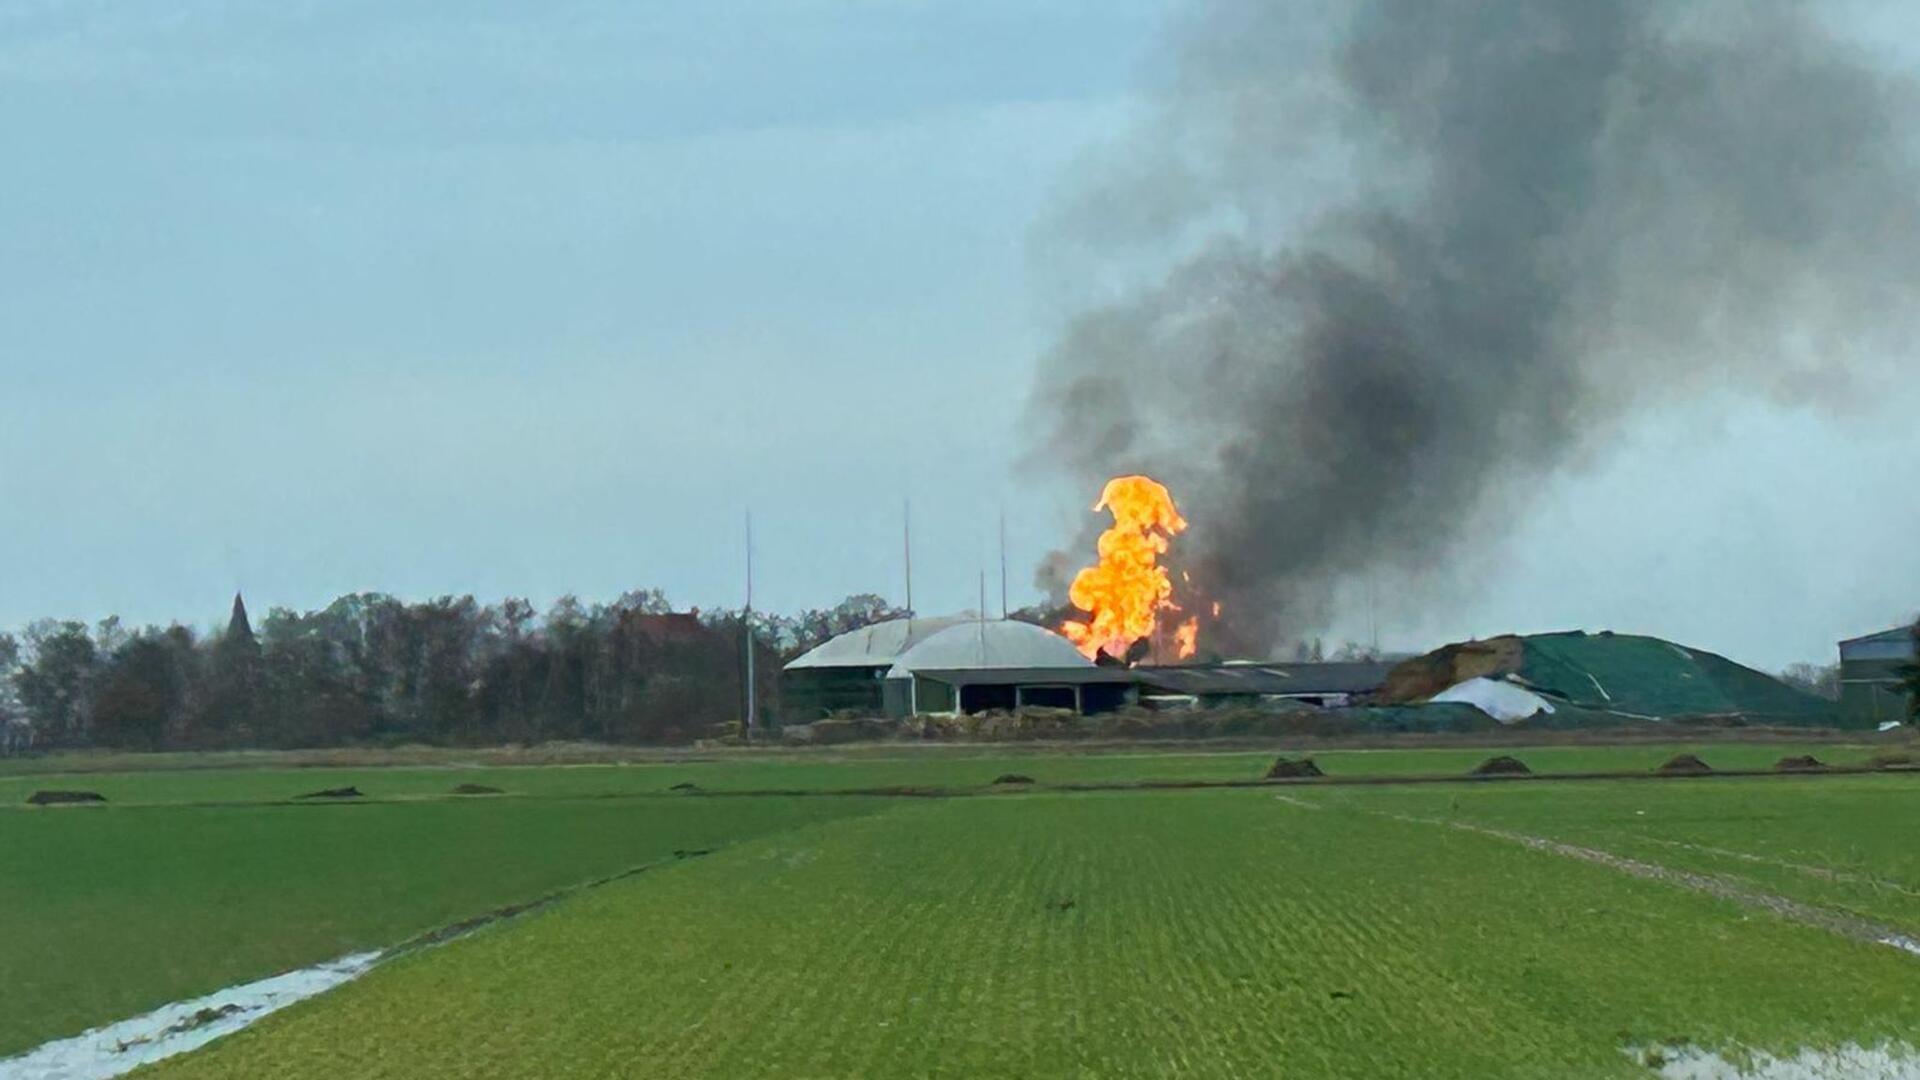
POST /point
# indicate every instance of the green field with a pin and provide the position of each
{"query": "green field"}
(112, 911)
(867, 768)
(1307, 931)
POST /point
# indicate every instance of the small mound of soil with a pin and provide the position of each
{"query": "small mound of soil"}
(1502, 766)
(1892, 761)
(684, 786)
(48, 798)
(1287, 768)
(334, 793)
(1012, 778)
(477, 789)
(1684, 765)
(1802, 763)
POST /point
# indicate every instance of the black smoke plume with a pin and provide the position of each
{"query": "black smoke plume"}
(1420, 254)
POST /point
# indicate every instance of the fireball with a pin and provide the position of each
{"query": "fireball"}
(1125, 592)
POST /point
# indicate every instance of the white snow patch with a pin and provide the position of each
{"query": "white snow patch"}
(119, 1048)
(1503, 701)
(1892, 1061)
(1903, 943)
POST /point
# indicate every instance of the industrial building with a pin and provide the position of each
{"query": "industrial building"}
(1873, 682)
(848, 673)
(964, 664)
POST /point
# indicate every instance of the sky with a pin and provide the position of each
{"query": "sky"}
(519, 299)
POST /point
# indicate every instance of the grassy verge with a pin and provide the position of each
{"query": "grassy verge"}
(1114, 934)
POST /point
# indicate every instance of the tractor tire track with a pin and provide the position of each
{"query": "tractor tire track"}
(1840, 923)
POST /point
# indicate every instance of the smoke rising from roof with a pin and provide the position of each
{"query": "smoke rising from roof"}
(1429, 250)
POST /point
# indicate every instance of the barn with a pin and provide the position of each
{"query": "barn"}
(1872, 675)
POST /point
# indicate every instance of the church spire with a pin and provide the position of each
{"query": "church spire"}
(239, 628)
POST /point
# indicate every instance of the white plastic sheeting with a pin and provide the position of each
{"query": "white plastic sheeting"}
(119, 1048)
(1503, 701)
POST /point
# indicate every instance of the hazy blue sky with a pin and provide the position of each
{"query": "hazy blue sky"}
(526, 299)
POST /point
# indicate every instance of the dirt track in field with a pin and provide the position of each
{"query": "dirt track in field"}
(1835, 922)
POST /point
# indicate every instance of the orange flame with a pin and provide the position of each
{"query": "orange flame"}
(1186, 638)
(1125, 593)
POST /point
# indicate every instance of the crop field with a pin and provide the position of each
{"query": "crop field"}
(867, 768)
(111, 911)
(1533, 929)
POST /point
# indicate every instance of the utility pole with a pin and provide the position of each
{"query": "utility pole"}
(746, 622)
(906, 543)
(1003, 562)
(983, 618)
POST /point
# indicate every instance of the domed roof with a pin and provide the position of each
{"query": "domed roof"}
(877, 645)
(994, 643)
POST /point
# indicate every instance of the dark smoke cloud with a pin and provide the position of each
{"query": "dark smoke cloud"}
(1431, 251)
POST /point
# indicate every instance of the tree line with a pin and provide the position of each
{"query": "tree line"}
(373, 669)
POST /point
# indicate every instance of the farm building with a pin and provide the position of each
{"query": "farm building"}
(1329, 685)
(1872, 675)
(847, 672)
(964, 664)
(998, 664)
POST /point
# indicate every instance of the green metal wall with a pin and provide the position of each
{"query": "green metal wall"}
(1873, 690)
(809, 694)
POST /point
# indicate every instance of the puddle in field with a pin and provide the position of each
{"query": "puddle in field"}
(1853, 1062)
(121, 1047)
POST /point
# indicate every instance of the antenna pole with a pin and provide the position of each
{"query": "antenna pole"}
(1003, 562)
(906, 543)
(746, 622)
(1373, 620)
(983, 616)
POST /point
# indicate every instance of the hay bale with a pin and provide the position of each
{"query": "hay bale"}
(477, 789)
(50, 798)
(1286, 768)
(1012, 778)
(1684, 765)
(334, 793)
(1501, 766)
(1799, 763)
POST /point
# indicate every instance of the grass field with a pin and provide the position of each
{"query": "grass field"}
(1309, 931)
(942, 767)
(111, 911)
(1847, 843)
(1202, 933)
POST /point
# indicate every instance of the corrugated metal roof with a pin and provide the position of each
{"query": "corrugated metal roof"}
(1898, 633)
(1339, 677)
(1028, 676)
